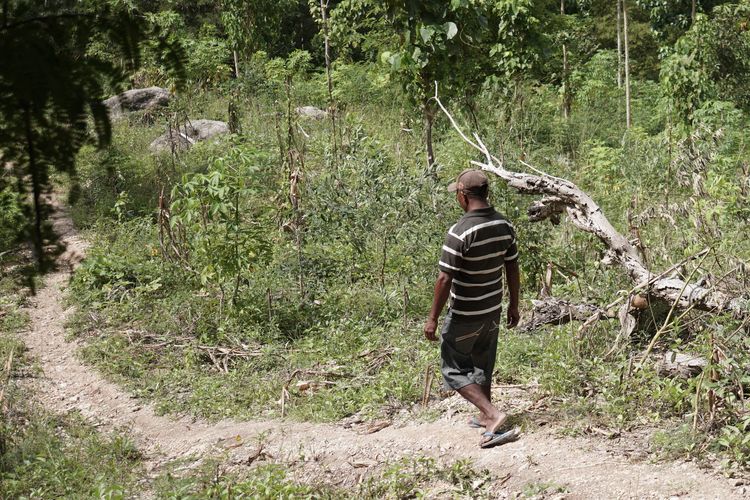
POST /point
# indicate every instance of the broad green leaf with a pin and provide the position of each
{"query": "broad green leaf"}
(426, 33)
(396, 62)
(450, 30)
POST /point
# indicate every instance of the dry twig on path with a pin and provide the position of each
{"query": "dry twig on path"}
(429, 374)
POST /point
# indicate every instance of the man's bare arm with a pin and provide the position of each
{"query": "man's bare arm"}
(442, 290)
(513, 276)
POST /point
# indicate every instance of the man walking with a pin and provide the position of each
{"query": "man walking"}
(476, 251)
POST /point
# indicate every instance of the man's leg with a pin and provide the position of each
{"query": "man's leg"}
(487, 390)
(483, 359)
(491, 418)
(461, 367)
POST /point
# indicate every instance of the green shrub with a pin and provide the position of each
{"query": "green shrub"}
(123, 267)
(48, 457)
(208, 58)
(12, 219)
(217, 223)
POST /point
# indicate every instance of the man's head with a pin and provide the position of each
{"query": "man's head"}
(471, 184)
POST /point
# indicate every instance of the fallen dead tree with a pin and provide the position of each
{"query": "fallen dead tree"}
(680, 365)
(562, 196)
(554, 311)
(549, 310)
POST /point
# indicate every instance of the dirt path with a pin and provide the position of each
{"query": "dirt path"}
(585, 467)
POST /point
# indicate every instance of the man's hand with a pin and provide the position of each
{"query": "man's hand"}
(513, 316)
(513, 277)
(442, 290)
(429, 329)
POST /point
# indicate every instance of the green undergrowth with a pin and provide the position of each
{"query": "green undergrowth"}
(12, 298)
(409, 477)
(157, 338)
(55, 457)
(43, 455)
(542, 489)
(351, 366)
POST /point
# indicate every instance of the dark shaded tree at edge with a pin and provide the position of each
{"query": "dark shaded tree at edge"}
(51, 86)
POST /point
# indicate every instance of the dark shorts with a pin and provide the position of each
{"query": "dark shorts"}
(468, 351)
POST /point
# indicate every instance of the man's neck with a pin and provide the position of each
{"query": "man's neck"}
(474, 204)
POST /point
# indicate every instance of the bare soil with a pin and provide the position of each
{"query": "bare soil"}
(584, 467)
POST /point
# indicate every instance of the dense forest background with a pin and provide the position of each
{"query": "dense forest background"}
(304, 242)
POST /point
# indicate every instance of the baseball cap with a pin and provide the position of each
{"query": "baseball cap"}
(470, 180)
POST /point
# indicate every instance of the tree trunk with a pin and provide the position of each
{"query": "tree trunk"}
(36, 184)
(553, 311)
(566, 97)
(236, 247)
(681, 365)
(429, 118)
(628, 119)
(289, 122)
(619, 44)
(236, 64)
(692, 12)
(566, 104)
(385, 261)
(327, 47)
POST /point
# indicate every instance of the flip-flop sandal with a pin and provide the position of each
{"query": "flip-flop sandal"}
(496, 439)
(474, 423)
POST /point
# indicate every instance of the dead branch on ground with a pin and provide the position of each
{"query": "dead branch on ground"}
(681, 365)
(221, 356)
(554, 311)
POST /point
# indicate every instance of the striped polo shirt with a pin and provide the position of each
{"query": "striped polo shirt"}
(475, 251)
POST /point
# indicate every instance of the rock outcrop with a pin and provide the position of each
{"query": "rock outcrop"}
(137, 100)
(311, 112)
(188, 134)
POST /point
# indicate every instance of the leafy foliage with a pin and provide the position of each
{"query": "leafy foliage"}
(499, 38)
(710, 62)
(672, 18)
(11, 219)
(252, 25)
(218, 235)
(207, 61)
(51, 83)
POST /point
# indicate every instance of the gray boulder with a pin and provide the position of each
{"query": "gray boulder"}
(137, 100)
(188, 134)
(311, 112)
